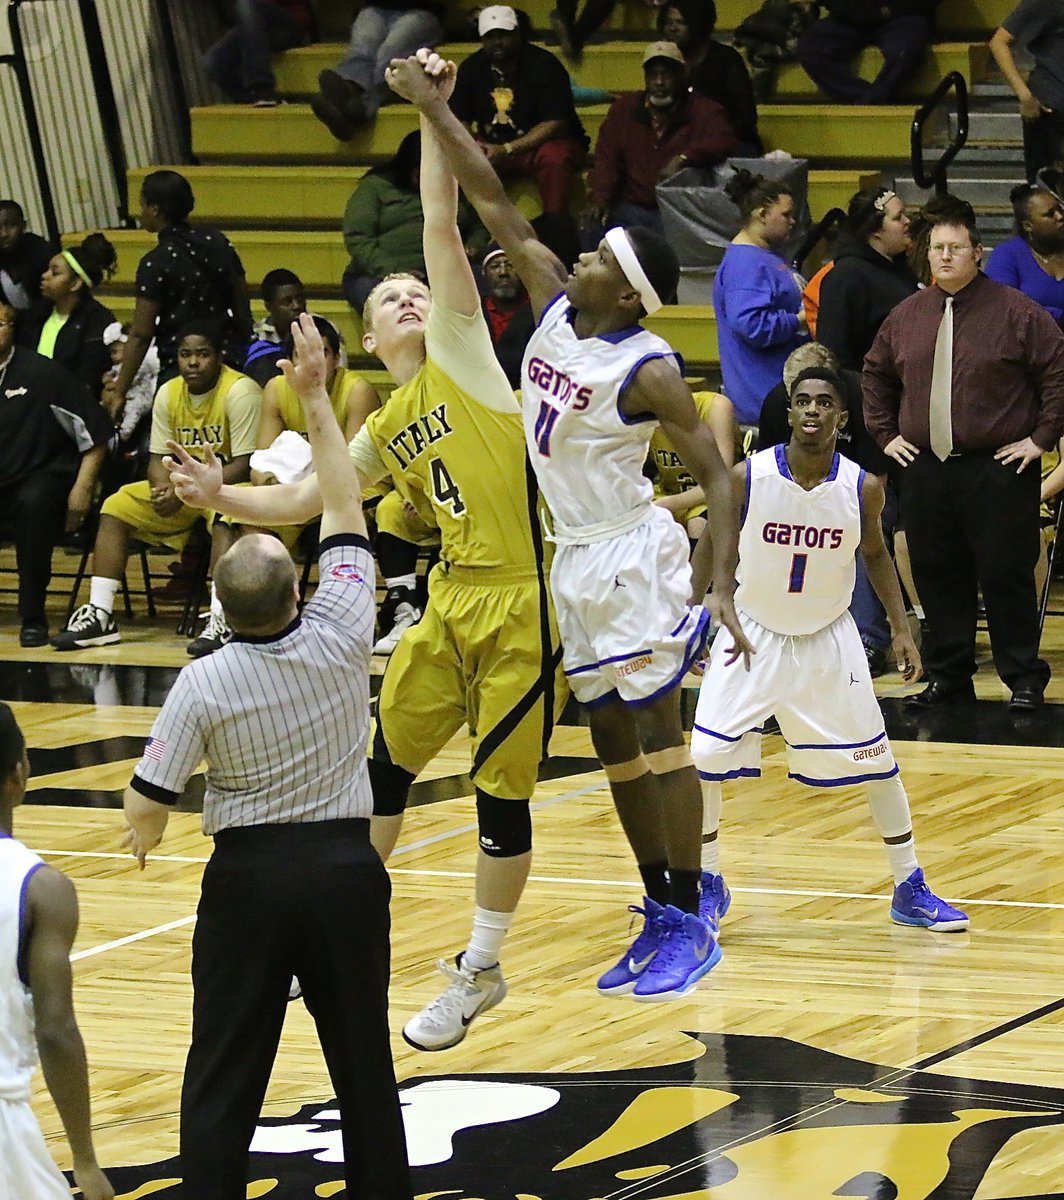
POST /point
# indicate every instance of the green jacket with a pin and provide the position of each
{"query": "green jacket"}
(383, 228)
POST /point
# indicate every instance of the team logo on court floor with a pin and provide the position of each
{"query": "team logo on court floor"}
(750, 1119)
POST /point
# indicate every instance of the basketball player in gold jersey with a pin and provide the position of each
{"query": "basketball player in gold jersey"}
(486, 653)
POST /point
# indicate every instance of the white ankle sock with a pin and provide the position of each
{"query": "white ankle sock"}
(890, 811)
(102, 593)
(216, 604)
(485, 942)
(404, 581)
(712, 797)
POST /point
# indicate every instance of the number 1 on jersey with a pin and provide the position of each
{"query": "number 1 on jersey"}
(544, 427)
(798, 562)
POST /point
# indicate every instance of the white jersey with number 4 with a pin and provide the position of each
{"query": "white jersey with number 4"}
(797, 548)
(587, 455)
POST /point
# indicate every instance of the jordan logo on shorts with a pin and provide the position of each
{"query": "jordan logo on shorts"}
(853, 679)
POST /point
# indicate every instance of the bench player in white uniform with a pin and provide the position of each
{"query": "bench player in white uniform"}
(594, 386)
(806, 513)
(38, 921)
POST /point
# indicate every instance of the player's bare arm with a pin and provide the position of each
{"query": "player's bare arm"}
(446, 263)
(341, 491)
(883, 576)
(427, 80)
(658, 388)
(53, 925)
(200, 485)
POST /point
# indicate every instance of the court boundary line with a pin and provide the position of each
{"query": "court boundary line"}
(807, 893)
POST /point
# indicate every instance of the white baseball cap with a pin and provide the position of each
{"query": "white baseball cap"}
(496, 16)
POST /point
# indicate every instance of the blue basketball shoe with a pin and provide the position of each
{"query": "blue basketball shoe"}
(915, 904)
(688, 950)
(622, 977)
(714, 900)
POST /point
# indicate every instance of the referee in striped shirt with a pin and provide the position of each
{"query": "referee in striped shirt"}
(281, 716)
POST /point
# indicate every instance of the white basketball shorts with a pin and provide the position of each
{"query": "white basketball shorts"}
(628, 628)
(26, 1168)
(818, 687)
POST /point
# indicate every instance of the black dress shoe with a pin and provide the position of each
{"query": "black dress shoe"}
(938, 695)
(877, 661)
(32, 634)
(1026, 699)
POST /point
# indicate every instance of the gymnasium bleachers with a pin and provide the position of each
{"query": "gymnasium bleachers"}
(277, 181)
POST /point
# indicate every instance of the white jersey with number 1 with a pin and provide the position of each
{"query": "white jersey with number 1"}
(797, 548)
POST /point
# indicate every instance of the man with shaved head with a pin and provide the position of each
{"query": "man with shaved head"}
(294, 887)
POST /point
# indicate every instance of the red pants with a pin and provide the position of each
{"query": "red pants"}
(552, 165)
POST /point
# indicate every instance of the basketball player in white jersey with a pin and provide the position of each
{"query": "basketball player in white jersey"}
(38, 921)
(806, 513)
(594, 385)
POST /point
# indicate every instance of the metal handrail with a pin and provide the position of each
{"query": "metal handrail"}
(832, 218)
(954, 81)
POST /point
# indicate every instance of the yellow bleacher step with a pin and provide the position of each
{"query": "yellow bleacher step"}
(690, 329)
(299, 196)
(233, 133)
(616, 67)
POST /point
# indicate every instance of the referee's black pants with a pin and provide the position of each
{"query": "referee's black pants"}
(973, 523)
(280, 900)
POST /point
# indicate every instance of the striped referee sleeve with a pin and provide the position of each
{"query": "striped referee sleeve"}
(347, 584)
(176, 745)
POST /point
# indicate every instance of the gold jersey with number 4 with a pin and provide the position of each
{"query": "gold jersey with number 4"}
(454, 432)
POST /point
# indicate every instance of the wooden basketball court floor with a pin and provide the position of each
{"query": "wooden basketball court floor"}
(831, 1053)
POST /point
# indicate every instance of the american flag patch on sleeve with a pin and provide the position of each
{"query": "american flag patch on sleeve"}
(154, 748)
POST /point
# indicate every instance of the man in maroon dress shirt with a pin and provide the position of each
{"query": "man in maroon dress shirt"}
(964, 389)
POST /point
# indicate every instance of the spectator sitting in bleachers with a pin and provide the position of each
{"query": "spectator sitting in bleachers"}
(383, 224)
(1038, 25)
(508, 312)
(870, 276)
(714, 70)
(70, 330)
(1033, 260)
(285, 298)
(53, 437)
(192, 274)
(350, 94)
(239, 62)
(756, 297)
(516, 99)
(209, 406)
(648, 136)
(902, 30)
(24, 258)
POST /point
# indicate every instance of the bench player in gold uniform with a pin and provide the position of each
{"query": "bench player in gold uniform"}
(207, 408)
(674, 488)
(486, 653)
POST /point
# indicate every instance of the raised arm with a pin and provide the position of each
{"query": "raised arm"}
(426, 82)
(338, 480)
(53, 924)
(448, 269)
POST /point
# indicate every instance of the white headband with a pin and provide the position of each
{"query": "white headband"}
(624, 252)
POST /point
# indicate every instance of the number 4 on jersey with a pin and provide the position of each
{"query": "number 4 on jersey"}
(444, 488)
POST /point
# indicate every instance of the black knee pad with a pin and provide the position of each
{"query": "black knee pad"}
(390, 784)
(505, 826)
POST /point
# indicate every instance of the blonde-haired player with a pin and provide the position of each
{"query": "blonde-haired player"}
(486, 652)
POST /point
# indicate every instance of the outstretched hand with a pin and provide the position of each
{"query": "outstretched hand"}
(305, 371)
(196, 483)
(422, 77)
